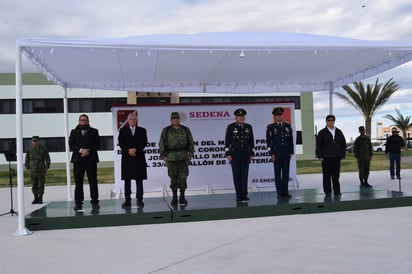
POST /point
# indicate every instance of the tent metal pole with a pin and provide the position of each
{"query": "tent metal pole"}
(66, 143)
(21, 229)
(331, 98)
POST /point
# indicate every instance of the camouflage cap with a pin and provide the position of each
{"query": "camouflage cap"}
(175, 115)
(35, 138)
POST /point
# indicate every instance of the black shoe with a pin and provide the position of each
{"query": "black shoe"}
(78, 207)
(140, 204)
(328, 194)
(398, 177)
(244, 199)
(95, 206)
(238, 199)
(127, 204)
(367, 185)
(174, 201)
(35, 201)
(337, 194)
(392, 177)
(182, 201)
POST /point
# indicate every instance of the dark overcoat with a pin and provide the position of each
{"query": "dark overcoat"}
(91, 140)
(133, 167)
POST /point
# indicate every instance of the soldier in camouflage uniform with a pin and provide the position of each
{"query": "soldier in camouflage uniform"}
(176, 149)
(37, 162)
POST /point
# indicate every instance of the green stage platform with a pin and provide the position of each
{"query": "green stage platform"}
(60, 215)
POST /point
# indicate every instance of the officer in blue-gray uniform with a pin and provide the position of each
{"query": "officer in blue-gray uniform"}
(279, 140)
(239, 144)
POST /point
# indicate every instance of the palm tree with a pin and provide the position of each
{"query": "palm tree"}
(368, 101)
(401, 122)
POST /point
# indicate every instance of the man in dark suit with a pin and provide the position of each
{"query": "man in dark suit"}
(331, 149)
(84, 141)
(132, 141)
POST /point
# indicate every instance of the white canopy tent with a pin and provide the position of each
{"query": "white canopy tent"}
(206, 62)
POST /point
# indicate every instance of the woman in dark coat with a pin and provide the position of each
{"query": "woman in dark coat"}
(132, 141)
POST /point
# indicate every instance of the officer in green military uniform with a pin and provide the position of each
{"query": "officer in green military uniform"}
(239, 145)
(362, 149)
(37, 162)
(279, 140)
(176, 148)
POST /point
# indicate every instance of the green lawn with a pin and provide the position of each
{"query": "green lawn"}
(106, 174)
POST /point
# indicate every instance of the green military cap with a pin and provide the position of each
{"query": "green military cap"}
(35, 138)
(175, 115)
(277, 111)
(240, 112)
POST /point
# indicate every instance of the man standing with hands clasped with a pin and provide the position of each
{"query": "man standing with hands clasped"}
(132, 141)
(239, 144)
(362, 149)
(331, 149)
(84, 141)
(394, 144)
(176, 148)
(37, 162)
(279, 139)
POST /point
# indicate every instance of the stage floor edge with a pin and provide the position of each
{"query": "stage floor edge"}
(61, 215)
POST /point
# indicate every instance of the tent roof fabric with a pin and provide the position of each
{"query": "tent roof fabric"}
(213, 62)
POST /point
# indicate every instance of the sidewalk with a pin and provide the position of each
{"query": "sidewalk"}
(368, 241)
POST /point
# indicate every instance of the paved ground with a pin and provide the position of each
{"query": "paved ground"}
(367, 241)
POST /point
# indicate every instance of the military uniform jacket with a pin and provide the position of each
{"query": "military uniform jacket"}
(133, 167)
(37, 159)
(90, 140)
(239, 141)
(176, 143)
(279, 139)
(362, 148)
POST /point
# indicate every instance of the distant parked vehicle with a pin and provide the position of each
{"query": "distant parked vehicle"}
(379, 148)
(409, 145)
(349, 149)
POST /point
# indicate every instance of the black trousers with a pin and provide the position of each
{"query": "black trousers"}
(240, 170)
(91, 169)
(331, 171)
(128, 190)
(281, 166)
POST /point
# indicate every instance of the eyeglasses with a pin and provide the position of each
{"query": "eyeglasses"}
(83, 120)
(331, 120)
(278, 114)
(394, 132)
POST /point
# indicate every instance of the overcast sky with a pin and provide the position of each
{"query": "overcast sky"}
(367, 19)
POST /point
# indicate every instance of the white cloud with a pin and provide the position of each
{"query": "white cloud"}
(379, 20)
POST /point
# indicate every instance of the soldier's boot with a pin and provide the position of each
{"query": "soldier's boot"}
(174, 198)
(36, 199)
(182, 199)
(40, 199)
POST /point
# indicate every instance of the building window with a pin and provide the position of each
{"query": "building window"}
(7, 106)
(42, 106)
(86, 105)
(240, 99)
(53, 144)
